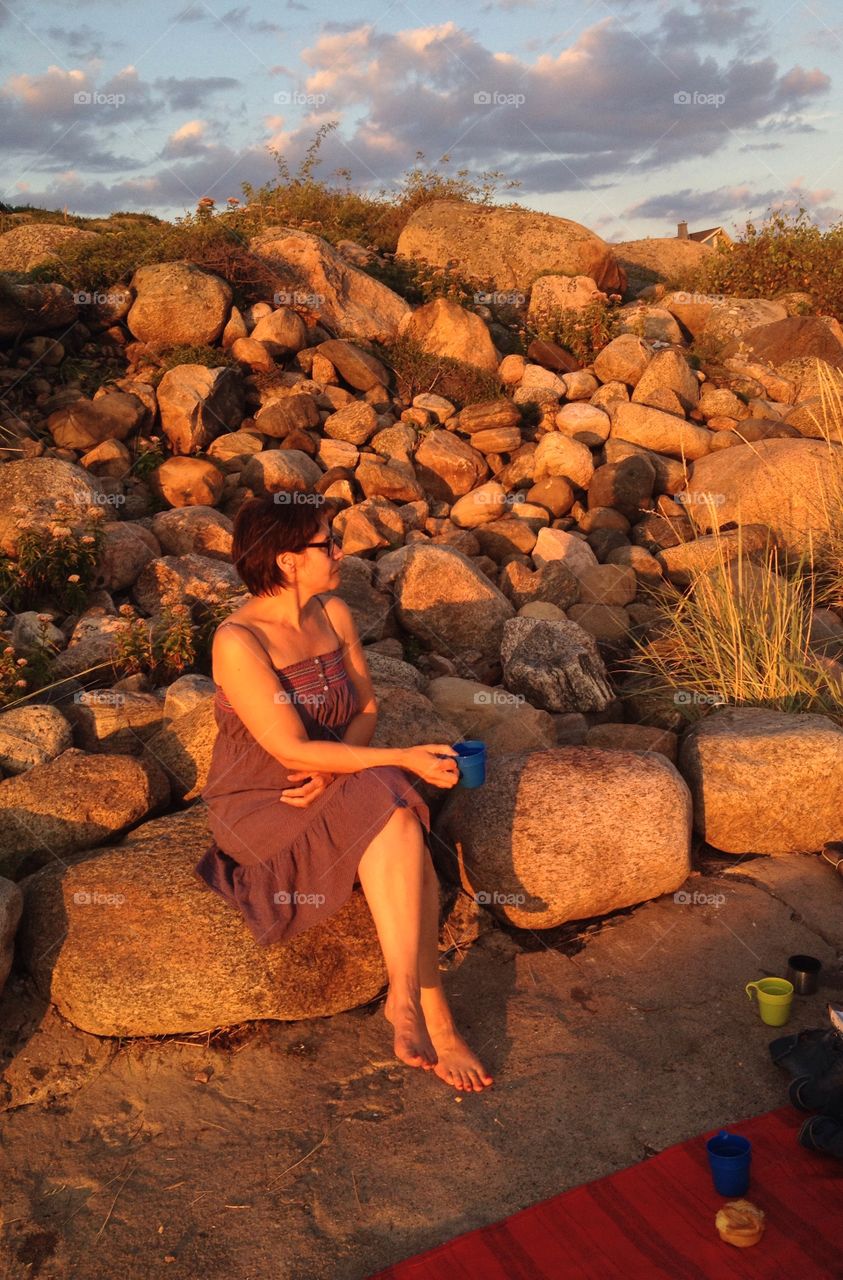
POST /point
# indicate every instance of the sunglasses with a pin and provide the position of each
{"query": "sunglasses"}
(332, 540)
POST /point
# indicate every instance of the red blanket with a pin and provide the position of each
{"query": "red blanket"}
(656, 1220)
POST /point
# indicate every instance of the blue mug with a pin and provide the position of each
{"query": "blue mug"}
(471, 762)
(728, 1156)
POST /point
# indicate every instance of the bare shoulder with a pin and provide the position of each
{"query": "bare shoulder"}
(233, 640)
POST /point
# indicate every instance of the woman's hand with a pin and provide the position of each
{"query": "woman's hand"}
(434, 763)
(304, 795)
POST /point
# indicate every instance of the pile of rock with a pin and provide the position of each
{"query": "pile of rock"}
(516, 542)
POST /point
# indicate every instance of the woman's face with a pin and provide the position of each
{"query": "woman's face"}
(319, 567)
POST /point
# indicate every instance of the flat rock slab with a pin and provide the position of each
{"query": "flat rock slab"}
(304, 1151)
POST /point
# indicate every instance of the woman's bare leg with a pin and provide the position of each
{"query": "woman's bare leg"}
(391, 874)
(456, 1064)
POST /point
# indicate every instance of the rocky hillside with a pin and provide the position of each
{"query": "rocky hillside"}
(504, 558)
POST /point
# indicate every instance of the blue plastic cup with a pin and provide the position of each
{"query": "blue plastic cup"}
(471, 762)
(729, 1155)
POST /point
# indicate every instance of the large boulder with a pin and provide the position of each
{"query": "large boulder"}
(765, 781)
(183, 749)
(72, 803)
(504, 721)
(128, 942)
(34, 244)
(720, 318)
(509, 247)
(197, 404)
(87, 423)
(200, 529)
(183, 481)
(36, 491)
(185, 579)
(792, 486)
(550, 294)
(178, 304)
(31, 735)
(441, 597)
(276, 470)
(344, 298)
(34, 308)
(793, 338)
(659, 431)
(570, 833)
(443, 328)
(659, 260)
(447, 466)
(554, 665)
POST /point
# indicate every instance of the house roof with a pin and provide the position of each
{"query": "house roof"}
(703, 235)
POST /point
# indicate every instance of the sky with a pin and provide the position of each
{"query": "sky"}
(623, 116)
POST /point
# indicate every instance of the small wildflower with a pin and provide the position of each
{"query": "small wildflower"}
(88, 538)
(22, 662)
(8, 650)
(44, 617)
(73, 577)
(127, 610)
(20, 684)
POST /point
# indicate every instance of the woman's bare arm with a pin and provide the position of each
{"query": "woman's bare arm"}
(258, 698)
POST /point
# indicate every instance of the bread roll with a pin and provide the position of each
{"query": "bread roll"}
(740, 1223)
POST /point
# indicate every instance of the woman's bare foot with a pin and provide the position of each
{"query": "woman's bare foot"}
(413, 1044)
(457, 1065)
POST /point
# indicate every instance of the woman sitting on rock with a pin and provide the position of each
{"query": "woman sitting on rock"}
(300, 807)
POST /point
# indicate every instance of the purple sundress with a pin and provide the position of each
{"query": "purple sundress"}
(288, 868)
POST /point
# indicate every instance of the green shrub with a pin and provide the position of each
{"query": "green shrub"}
(54, 562)
(785, 253)
(583, 332)
(416, 372)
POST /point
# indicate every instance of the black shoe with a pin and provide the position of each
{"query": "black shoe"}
(823, 1135)
(793, 1093)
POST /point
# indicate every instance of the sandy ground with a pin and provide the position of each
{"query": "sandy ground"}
(304, 1151)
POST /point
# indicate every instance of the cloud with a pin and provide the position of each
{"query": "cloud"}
(613, 101)
(239, 19)
(217, 173)
(190, 92)
(738, 202)
(188, 140)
